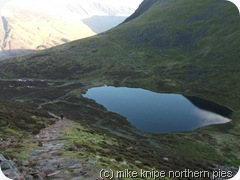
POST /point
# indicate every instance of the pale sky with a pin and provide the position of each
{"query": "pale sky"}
(56, 7)
(2, 2)
(131, 3)
(122, 2)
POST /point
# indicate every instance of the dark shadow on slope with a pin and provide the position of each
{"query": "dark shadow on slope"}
(100, 24)
(210, 106)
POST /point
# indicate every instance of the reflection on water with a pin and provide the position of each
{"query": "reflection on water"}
(208, 117)
(154, 112)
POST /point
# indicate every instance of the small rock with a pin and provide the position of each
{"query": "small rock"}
(165, 159)
(18, 163)
(77, 171)
(49, 168)
(91, 162)
(23, 168)
(24, 173)
(39, 177)
(33, 163)
(19, 178)
(25, 162)
(40, 144)
(34, 172)
(75, 166)
(54, 173)
(5, 165)
(78, 178)
(29, 177)
(13, 140)
(42, 174)
(72, 147)
(88, 174)
(48, 171)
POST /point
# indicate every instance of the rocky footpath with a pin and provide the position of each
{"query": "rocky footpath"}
(47, 161)
(9, 168)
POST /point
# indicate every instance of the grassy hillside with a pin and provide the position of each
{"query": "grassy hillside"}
(181, 46)
(170, 44)
(16, 117)
(18, 123)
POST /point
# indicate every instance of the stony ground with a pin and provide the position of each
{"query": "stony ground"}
(47, 162)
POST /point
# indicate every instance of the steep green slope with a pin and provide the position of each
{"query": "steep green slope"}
(183, 46)
(171, 43)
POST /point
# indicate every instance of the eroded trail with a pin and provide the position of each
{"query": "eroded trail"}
(48, 162)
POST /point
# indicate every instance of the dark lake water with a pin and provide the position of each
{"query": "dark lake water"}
(158, 112)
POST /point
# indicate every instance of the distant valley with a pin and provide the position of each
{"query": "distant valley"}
(27, 26)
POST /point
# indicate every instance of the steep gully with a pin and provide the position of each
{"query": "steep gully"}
(6, 34)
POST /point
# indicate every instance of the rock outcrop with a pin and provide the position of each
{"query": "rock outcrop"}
(9, 168)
